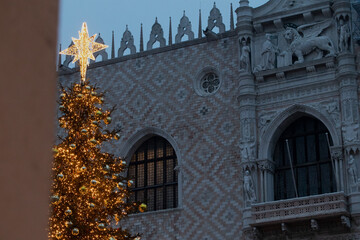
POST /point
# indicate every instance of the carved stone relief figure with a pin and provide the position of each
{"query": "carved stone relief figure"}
(344, 35)
(247, 151)
(352, 170)
(249, 187)
(301, 46)
(245, 57)
(350, 133)
(268, 55)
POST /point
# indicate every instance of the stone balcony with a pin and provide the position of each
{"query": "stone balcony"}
(299, 209)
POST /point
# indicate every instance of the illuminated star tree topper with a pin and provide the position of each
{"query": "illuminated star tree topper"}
(83, 49)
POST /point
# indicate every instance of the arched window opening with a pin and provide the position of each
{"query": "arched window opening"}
(153, 168)
(311, 161)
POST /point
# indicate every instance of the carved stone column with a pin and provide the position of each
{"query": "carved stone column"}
(338, 161)
(266, 170)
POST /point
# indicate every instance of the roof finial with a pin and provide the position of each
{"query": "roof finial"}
(141, 39)
(170, 33)
(112, 46)
(126, 27)
(231, 17)
(184, 13)
(200, 27)
(156, 20)
(214, 4)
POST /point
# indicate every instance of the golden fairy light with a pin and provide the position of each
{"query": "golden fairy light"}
(83, 49)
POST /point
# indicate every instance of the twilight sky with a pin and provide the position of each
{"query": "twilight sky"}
(105, 16)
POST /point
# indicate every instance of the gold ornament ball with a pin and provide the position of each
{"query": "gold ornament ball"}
(55, 150)
(107, 120)
(75, 231)
(72, 146)
(83, 168)
(61, 107)
(142, 207)
(80, 95)
(95, 122)
(121, 185)
(101, 226)
(58, 235)
(55, 199)
(130, 183)
(88, 87)
(60, 176)
(93, 182)
(68, 223)
(98, 113)
(84, 131)
(83, 190)
(112, 238)
(117, 136)
(62, 95)
(93, 141)
(93, 93)
(68, 212)
(91, 205)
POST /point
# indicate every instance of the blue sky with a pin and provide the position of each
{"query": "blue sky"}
(105, 16)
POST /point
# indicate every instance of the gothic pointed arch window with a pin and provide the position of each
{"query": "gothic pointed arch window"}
(153, 167)
(311, 169)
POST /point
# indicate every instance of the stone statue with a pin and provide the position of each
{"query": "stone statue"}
(249, 187)
(268, 55)
(344, 35)
(311, 41)
(352, 170)
(245, 57)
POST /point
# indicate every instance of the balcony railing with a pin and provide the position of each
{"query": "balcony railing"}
(289, 210)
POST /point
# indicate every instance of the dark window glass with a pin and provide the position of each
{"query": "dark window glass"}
(152, 168)
(309, 152)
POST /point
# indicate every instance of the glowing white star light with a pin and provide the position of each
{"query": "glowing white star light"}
(83, 49)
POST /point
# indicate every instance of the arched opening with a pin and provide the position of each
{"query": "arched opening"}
(127, 52)
(304, 142)
(152, 167)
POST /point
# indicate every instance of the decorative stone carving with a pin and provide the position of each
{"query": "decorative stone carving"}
(352, 170)
(247, 151)
(245, 63)
(215, 20)
(344, 35)
(268, 55)
(249, 187)
(127, 41)
(345, 220)
(314, 225)
(350, 133)
(301, 46)
(157, 34)
(266, 165)
(333, 109)
(102, 53)
(184, 28)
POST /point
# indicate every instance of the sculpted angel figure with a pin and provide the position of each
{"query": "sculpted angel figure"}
(352, 170)
(249, 187)
(344, 35)
(245, 57)
(301, 46)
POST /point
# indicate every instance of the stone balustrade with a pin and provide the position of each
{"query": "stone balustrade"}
(318, 206)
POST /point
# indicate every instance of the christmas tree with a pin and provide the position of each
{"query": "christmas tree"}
(89, 192)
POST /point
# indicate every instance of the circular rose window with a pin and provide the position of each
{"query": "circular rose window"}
(207, 82)
(210, 83)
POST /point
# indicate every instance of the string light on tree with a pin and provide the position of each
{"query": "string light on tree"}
(88, 195)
